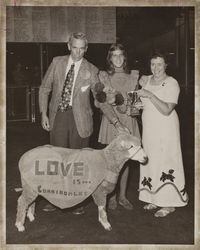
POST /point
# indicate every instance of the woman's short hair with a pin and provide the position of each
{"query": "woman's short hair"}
(114, 47)
(155, 55)
(78, 35)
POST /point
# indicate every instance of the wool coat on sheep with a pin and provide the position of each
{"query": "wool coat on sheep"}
(63, 176)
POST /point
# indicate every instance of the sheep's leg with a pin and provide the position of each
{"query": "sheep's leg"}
(31, 212)
(99, 197)
(103, 218)
(21, 213)
(26, 198)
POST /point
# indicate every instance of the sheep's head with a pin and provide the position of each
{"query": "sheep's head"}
(130, 146)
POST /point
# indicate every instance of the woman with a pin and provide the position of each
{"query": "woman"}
(162, 181)
(117, 77)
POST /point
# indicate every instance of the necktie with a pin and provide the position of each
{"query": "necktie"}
(67, 90)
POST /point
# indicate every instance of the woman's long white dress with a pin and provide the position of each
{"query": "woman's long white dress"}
(162, 180)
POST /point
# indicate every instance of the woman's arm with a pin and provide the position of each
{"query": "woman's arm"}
(164, 108)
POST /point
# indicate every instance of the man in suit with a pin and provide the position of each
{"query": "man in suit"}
(68, 116)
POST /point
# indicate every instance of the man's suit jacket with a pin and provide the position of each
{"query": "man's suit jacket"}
(54, 81)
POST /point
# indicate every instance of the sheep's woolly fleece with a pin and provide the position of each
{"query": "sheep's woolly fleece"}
(65, 177)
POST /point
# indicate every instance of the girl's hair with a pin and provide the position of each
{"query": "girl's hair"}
(111, 68)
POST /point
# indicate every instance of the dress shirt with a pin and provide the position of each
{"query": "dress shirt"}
(76, 70)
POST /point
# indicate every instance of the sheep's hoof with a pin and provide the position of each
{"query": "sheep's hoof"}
(20, 227)
(30, 217)
(108, 228)
(106, 225)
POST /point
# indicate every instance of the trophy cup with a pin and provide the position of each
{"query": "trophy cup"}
(133, 104)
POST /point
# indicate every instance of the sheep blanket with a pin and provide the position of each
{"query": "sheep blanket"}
(63, 176)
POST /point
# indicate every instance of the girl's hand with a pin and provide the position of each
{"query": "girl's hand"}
(121, 128)
(144, 93)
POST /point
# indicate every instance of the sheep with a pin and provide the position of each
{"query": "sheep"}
(66, 177)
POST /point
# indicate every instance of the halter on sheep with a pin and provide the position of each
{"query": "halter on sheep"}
(66, 177)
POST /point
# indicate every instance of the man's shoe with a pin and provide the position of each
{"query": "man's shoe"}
(49, 208)
(78, 211)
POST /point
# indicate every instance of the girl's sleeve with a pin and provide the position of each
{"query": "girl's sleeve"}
(172, 91)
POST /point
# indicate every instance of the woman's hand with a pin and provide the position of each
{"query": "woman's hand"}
(143, 80)
(144, 93)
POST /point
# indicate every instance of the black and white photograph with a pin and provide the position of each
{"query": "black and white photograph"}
(99, 124)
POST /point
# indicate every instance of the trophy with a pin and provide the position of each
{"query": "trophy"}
(133, 103)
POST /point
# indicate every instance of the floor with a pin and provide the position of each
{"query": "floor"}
(128, 227)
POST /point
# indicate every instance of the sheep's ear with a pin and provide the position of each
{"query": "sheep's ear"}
(125, 144)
